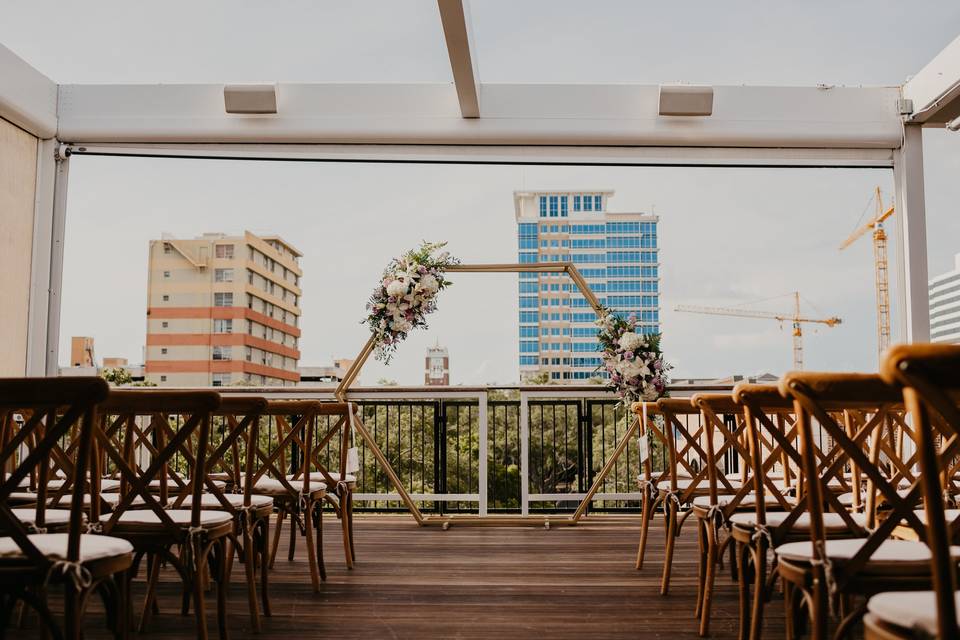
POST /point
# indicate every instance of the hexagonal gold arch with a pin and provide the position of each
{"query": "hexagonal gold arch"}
(368, 348)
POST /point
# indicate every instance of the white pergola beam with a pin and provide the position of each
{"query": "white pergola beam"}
(28, 98)
(514, 114)
(935, 90)
(455, 18)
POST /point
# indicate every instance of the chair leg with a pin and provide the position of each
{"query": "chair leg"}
(345, 525)
(320, 560)
(311, 550)
(760, 590)
(223, 556)
(712, 552)
(671, 532)
(153, 574)
(276, 536)
(789, 617)
(249, 563)
(819, 609)
(264, 546)
(701, 565)
(71, 611)
(743, 589)
(644, 529)
(199, 606)
(292, 549)
(353, 551)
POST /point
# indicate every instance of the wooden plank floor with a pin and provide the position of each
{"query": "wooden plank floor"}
(411, 582)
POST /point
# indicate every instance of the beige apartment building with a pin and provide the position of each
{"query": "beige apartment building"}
(223, 310)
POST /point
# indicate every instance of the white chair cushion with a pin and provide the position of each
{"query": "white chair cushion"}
(208, 500)
(831, 521)
(50, 516)
(54, 545)
(890, 552)
(914, 610)
(951, 515)
(147, 517)
(316, 475)
(274, 487)
(704, 484)
(748, 500)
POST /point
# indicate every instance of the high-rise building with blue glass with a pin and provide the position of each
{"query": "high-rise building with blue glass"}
(618, 255)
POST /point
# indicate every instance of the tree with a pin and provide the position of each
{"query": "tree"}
(386, 382)
(540, 377)
(117, 377)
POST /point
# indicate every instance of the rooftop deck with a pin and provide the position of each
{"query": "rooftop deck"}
(411, 582)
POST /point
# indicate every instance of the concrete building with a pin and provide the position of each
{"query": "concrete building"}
(618, 255)
(437, 366)
(312, 376)
(81, 352)
(223, 310)
(945, 306)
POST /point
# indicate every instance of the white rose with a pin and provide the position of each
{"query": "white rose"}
(428, 284)
(401, 326)
(397, 288)
(632, 341)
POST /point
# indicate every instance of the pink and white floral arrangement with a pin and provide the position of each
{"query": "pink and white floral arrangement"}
(633, 360)
(406, 295)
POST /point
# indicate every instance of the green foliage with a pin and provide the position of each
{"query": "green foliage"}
(117, 377)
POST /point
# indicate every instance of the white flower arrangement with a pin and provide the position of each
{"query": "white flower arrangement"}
(633, 360)
(406, 295)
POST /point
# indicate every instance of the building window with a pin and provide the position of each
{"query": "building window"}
(554, 206)
(598, 203)
(222, 353)
(564, 209)
(224, 251)
(543, 206)
(221, 379)
(163, 351)
(166, 247)
(587, 203)
(163, 378)
(164, 324)
(223, 326)
(223, 299)
(166, 274)
(222, 275)
(166, 298)
(576, 203)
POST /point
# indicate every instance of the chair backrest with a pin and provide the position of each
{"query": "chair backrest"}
(52, 409)
(290, 426)
(686, 453)
(826, 398)
(176, 439)
(652, 437)
(930, 379)
(771, 429)
(339, 418)
(720, 439)
(232, 456)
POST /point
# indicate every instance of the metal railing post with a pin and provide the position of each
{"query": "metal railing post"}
(482, 467)
(524, 455)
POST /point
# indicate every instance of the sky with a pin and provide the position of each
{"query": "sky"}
(728, 237)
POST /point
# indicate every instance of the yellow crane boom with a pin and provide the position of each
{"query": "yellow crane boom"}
(881, 271)
(795, 318)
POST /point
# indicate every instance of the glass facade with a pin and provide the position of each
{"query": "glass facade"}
(617, 253)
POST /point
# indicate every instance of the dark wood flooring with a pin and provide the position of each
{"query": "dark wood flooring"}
(411, 582)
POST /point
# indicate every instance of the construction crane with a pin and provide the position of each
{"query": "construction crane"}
(795, 318)
(881, 275)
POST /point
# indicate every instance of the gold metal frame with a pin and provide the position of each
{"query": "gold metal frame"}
(350, 377)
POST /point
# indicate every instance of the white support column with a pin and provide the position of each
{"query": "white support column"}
(911, 238)
(59, 223)
(524, 455)
(484, 451)
(40, 258)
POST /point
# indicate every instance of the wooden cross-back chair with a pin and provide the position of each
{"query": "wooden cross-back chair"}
(715, 511)
(779, 510)
(231, 460)
(30, 559)
(158, 525)
(289, 482)
(688, 472)
(930, 379)
(339, 422)
(825, 572)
